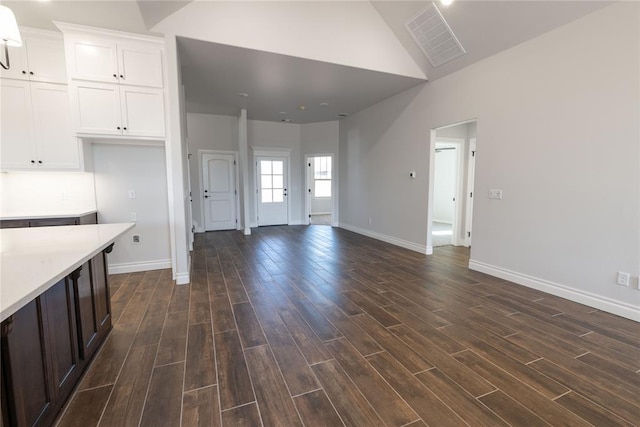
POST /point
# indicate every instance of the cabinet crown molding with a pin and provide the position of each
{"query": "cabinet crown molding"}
(37, 32)
(67, 28)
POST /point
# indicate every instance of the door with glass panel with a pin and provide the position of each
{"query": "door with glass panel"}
(272, 190)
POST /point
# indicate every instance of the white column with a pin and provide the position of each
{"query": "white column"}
(244, 168)
(175, 149)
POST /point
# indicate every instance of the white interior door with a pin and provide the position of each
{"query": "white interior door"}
(272, 190)
(219, 192)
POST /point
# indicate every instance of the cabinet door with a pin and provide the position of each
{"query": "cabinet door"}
(96, 108)
(92, 58)
(59, 305)
(142, 111)
(18, 148)
(86, 313)
(46, 60)
(24, 366)
(19, 68)
(56, 144)
(140, 64)
(101, 292)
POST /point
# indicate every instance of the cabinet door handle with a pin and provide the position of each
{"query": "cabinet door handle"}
(125, 128)
(33, 161)
(118, 128)
(31, 72)
(40, 161)
(122, 76)
(115, 75)
(24, 72)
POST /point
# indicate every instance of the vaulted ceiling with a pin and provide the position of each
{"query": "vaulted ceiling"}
(348, 71)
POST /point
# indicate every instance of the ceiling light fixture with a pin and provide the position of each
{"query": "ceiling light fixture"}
(243, 95)
(9, 33)
(324, 104)
(282, 113)
(446, 2)
(302, 108)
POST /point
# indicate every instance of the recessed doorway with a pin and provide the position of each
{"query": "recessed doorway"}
(452, 167)
(319, 197)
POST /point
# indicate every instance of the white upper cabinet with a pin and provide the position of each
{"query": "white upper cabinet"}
(41, 58)
(111, 109)
(35, 127)
(114, 61)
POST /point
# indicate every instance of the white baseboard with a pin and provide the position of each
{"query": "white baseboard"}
(297, 223)
(443, 221)
(622, 309)
(132, 267)
(389, 239)
(182, 279)
(320, 213)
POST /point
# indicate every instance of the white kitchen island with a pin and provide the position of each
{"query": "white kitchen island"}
(55, 309)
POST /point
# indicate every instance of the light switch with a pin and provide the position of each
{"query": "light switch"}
(495, 194)
(133, 216)
(132, 194)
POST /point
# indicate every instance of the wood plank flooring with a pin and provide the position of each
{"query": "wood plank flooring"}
(316, 326)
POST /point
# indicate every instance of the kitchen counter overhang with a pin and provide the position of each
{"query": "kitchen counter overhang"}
(34, 259)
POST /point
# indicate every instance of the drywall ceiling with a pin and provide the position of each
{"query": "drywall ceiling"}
(483, 27)
(115, 15)
(214, 75)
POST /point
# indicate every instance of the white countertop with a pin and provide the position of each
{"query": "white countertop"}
(34, 259)
(71, 213)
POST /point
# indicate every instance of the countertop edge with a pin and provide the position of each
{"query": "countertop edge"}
(13, 308)
(52, 215)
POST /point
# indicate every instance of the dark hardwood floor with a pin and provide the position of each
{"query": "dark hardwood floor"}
(318, 326)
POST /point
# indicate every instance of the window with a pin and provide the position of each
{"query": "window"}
(272, 181)
(322, 176)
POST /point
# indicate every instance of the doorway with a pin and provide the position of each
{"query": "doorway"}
(272, 174)
(452, 169)
(219, 191)
(319, 180)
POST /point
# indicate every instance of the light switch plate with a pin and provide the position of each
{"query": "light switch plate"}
(132, 194)
(495, 194)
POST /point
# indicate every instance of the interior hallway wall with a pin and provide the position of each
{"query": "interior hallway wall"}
(558, 126)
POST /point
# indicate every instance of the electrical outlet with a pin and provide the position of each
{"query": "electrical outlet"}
(135, 239)
(623, 278)
(132, 194)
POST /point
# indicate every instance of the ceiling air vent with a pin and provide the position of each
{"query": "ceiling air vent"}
(434, 36)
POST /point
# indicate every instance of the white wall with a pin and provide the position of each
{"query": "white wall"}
(46, 192)
(444, 191)
(558, 131)
(118, 169)
(346, 33)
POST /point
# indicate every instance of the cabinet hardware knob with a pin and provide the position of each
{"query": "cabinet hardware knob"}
(206, 197)
(118, 128)
(40, 161)
(24, 72)
(121, 76)
(125, 128)
(115, 75)
(31, 72)
(33, 161)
